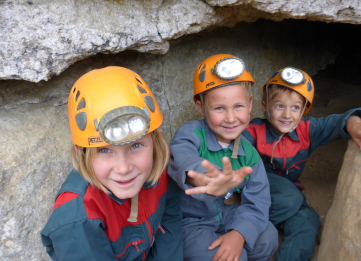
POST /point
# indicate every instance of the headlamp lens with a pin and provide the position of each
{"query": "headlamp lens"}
(136, 124)
(292, 76)
(120, 128)
(123, 125)
(116, 130)
(229, 68)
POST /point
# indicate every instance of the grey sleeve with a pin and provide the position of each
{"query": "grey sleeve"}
(184, 157)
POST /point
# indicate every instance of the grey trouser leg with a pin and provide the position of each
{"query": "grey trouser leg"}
(199, 233)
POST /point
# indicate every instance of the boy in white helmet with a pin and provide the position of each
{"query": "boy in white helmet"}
(213, 230)
(285, 140)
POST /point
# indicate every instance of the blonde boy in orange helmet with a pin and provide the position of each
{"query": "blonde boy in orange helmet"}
(213, 230)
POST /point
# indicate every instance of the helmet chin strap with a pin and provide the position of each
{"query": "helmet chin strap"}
(298, 121)
(134, 209)
(203, 109)
(267, 114)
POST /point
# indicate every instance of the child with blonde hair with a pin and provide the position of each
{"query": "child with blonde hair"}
(204, 154)
(118, 203)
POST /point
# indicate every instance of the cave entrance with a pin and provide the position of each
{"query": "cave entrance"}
(337, 89)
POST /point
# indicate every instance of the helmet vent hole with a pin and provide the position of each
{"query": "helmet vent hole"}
(74, 90)
(150, 103)
(81, 105)
(77, 95)
(80, 119)
(202, 76)
(139, 81)
(142, 90)
(309, 86)
(204, 66)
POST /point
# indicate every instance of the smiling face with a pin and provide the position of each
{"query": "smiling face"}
(227, 111)
(285, 110)
(124, 169)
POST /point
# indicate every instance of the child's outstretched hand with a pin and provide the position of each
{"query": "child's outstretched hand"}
(231, 245)
(353, 126)
(216, 182)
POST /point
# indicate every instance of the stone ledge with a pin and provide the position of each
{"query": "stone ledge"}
(39, 39)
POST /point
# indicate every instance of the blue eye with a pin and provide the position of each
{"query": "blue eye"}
(136, 145)
(104, 150)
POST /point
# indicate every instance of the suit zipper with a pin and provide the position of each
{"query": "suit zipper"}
(134, 243)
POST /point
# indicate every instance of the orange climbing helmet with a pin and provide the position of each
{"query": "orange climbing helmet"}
(219, 70)
(111, 106)
(296, 80)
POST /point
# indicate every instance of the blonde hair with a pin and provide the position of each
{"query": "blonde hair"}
(274, 89)
(83, 158)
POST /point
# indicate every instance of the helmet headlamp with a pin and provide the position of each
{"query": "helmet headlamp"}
(292, 76)
(123, 125)
(229, 68)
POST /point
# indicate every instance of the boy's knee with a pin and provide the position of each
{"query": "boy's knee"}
(312, 218)
(266, 244)
(273, 237)
(294, 201)
(285, 195)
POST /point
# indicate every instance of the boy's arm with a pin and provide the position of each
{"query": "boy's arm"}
(169, 245)
(353, 126)
(251, 217)
(184, 157)
(327, 129)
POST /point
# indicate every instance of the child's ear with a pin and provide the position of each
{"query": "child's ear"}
(263, 106)
(199, 107)
(76, 148)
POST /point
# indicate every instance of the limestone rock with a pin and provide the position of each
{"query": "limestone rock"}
(341, 233)
(41, 38)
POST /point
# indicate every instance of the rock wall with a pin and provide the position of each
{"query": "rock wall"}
(35, 140)
(41, 38)
(341, 238)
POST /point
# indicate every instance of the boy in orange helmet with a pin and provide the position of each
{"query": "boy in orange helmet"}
(213, 230)
(285, 140)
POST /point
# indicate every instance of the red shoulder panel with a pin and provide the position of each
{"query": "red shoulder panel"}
(63, 198)
(115, 216)
(287, 145)
(252, 130)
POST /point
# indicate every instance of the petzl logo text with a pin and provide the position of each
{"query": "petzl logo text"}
(94, 140)
(209, 84)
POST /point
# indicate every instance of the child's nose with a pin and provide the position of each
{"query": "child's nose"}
(122, 166)
(230, 116)
(287, 113)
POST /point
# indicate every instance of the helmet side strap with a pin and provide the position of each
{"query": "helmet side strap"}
(267, 113)
(203, 109)
(303, 111)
